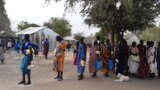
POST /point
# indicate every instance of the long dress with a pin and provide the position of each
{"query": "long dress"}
(81, 56)
(143, 65)
(92, 60)
(133, 65)
(46, 48)
(26, 61)
(62, 47)
(105, 56)
(123, 56)
(151, 58)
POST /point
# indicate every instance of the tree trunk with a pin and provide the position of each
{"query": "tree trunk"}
(113, 41)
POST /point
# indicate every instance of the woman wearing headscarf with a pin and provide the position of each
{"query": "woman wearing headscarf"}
(60, 55)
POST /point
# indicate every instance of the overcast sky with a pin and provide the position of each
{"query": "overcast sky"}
(34, 12)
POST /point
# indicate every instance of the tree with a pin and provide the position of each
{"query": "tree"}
(60, 26)
(117, 16)
(4, 20)
(78, 36)
(151, 34)
(24, 24)
(103, 34)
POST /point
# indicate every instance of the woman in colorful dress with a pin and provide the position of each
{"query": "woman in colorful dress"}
(26, 61)
(60, 55)
(105, 56)
(142, 72)
(92, 59)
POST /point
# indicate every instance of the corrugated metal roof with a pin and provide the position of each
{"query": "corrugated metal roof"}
(30, 30)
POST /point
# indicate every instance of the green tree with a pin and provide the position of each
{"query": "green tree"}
(24, 24)
(4, 20)
(60, 26)
(151, 34)
(103, 34)
(117, 16)
(78, 36)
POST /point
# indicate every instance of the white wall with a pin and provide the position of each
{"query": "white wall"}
(48, 33)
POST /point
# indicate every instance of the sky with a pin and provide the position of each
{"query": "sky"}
(34, 11)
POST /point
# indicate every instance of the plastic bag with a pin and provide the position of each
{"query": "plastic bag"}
(110, 64)
(98, 64)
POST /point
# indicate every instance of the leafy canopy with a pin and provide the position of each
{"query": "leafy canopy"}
(60, 26)
(151, 34)
(130, 15)
(4, 20)
(24, 25)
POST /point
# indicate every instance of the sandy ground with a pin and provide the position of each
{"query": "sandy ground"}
(43, 77)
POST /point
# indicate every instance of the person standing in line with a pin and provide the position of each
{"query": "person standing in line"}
(82, 50)
(143, 61)
(133, 61)
(26, 62)
(60, 55)
(105, 56)
(76, 53)
(1, 53)
(122, 57)
(151, 56)
(158, 59)
(92, 59)
(46, 48)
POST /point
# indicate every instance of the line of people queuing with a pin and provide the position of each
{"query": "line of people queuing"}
(141, 61)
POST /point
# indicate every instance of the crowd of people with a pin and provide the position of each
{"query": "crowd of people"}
(138, 60)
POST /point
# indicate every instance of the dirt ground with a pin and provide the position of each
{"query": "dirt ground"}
(43, 77)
